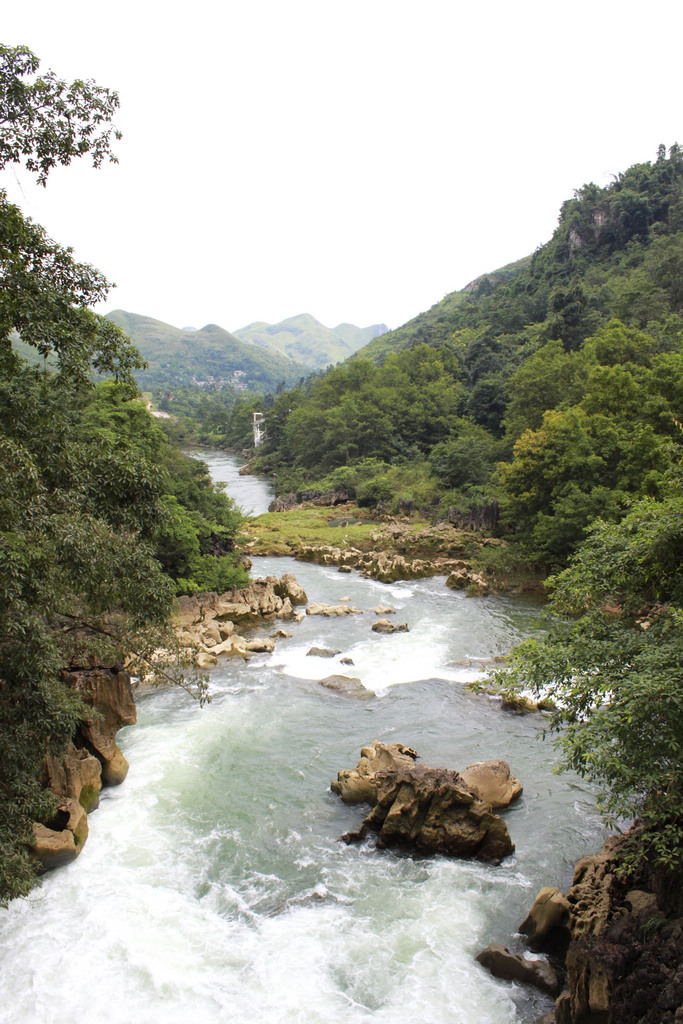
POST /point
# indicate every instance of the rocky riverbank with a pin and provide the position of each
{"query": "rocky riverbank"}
(386, 548)
(91, 761)
(616, 938)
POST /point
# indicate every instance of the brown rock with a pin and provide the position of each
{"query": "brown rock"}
(288, 586)
(384, 626)
(320, 608)
(115, 769)
(547, 923)
(205, 660)
(348, 685)
(261, 645)
(492, 782)
(77, 774)
(360, 784)
(54, 847)
(514, 967)
(110, 693)
(234, 644)
(429, 808)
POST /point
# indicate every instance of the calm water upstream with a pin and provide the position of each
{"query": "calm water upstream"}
(214, 889)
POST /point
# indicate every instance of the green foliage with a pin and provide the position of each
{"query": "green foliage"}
(193, 536)
(467, 458)
(612, 664)
(593, 457)
(83, 470)
(44, 121)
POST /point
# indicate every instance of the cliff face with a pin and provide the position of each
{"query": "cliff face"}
(92, 760)
(624, 942)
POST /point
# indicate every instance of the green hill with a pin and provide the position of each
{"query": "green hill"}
(552, 386)
(305, 340)
(182, 357)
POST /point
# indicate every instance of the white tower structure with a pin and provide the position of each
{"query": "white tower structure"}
(259, 432)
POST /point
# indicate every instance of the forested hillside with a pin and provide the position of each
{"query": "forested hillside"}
(552, 385)
(305, 340)
(210, 355)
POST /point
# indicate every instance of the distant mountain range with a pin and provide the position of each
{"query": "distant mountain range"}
(257, 357)
(210, 355)
(305, 340)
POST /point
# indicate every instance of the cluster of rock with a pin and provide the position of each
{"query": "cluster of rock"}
(296, 499)
(388, 567)
(617, 938)
(92, 760)
(208, 623)
(433, 810)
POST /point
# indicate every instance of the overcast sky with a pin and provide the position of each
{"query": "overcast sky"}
(355, 160)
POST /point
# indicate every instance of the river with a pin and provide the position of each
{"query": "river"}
(214, 889)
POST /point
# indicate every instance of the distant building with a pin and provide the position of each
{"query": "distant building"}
(259, 432)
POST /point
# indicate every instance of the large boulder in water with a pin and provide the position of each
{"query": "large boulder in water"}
(350, 686)
(547, 925)
(430, 809)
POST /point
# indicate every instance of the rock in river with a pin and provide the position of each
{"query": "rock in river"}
(430, 809)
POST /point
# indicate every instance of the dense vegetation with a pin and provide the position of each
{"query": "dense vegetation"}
(101, 520)
(612, 663)
(550, 386)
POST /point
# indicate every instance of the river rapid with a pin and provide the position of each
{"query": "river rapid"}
(214, 887)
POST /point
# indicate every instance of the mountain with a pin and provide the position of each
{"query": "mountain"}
(305, 340)
(183, 357)
(552, 386)
(436, 324)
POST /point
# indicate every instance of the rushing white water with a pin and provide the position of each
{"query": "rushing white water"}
(214, 888)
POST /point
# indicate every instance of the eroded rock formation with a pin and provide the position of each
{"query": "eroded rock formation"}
(514, 967)
(624, 942)
(430, 809)
(208, 623)
(91, 761)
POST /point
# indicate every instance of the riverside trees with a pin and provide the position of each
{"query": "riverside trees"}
(612, 663)
(83, 487)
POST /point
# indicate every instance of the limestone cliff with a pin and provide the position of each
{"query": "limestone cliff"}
(624, 942)
(92, 760)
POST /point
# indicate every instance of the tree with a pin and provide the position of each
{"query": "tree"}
(44, 121)
(78, 507)
(612, 664)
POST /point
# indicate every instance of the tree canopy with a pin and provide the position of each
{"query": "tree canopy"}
(46, 121)
(90, 488)
(612, 664)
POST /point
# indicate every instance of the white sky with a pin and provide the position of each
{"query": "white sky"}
(353, 159)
